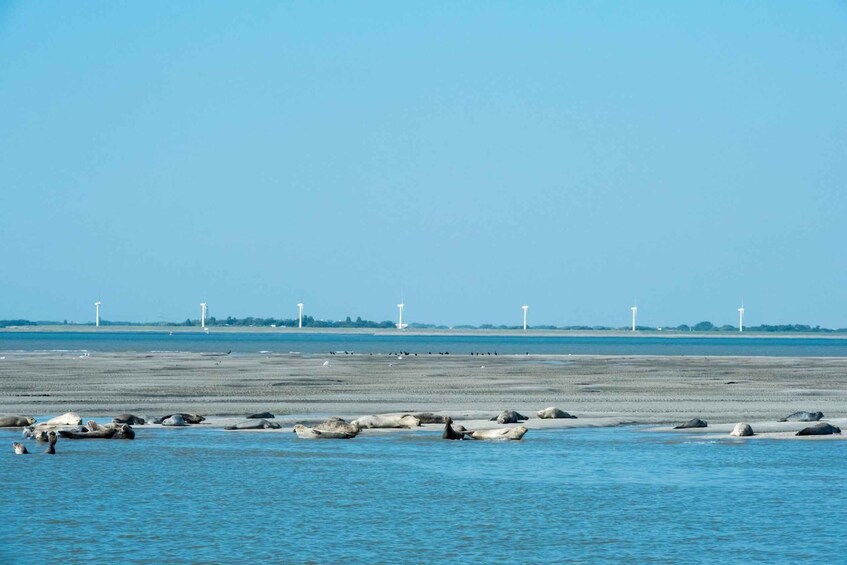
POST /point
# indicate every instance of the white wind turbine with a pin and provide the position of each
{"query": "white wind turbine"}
(202, 314)
(741, 318)
(524, 308)
(97, 314)
(400, 324)
(634, 314)
(300, 315)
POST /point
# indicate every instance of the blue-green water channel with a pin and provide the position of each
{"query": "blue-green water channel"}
(584, 495)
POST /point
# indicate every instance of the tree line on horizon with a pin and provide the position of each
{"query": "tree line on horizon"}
(348, 322)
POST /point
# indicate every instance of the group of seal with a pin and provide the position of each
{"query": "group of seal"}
(20, 449)
(93, 430)
(743, 429)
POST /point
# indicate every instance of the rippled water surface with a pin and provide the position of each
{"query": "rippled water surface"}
(516, 343)
(622, 494)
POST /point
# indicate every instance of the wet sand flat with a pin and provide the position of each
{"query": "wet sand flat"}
(635, 389)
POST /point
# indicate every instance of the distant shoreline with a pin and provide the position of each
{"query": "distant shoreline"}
(641, 334)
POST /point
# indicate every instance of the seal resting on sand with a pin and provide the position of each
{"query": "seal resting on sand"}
(261, 416)
(509, 417)
(67, 419)
(130, 419)
(51, 449)
(174, 420)
(187, 419)
(312, 433)
(450, 432)
(802, 417)
(387, 421)
(552, 412)
(16, 421)
(336, 424)
(822, 429)
(430, 418)
(693, 423)
(254, 425)
(741, 430)
(500, 433)
(20, 449)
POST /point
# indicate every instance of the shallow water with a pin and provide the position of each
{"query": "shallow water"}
(219, 341)
(582, 495)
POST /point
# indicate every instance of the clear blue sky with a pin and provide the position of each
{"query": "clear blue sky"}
(471, 157)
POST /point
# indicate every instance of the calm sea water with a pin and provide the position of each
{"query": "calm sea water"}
(216, 341)
(583, 495)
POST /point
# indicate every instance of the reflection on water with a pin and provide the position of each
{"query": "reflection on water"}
(583, 494)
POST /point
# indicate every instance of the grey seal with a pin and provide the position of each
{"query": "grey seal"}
(16, 421)
(254, 425)
(802, 417)
(430, 418)
(450, 432)
(552, 413)
(187, 418)
(52, 439)
(501, 433)
(387, 421)
(509, 417)
(741, 430)
(66, 419)
(821, 429)
(130, 419)
(693, 423)
(336, 424)
(20, 449)
(174, 420)
(305, 432)
(261, 416)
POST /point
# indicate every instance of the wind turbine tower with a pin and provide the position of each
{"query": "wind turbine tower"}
(300, 316)
(202, 314)
(741, 319)
(524, 308)
(97, 314)
(400, 324)
(634, 314)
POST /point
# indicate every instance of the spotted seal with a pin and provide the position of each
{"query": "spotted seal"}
(553, 413)
(802, 417)
(430, 418)
(693, 423)
(187, 418)
(175, 420)
(821, 429)
(66, 419)
(500, 433)
(450, 432)
(16, 421)
(387, 421)
(336, 424)
(254, 425)
(130, 419)
(52, 439)
(305, 432)
(509, 417)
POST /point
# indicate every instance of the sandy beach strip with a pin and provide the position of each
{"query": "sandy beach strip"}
(604, 389)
